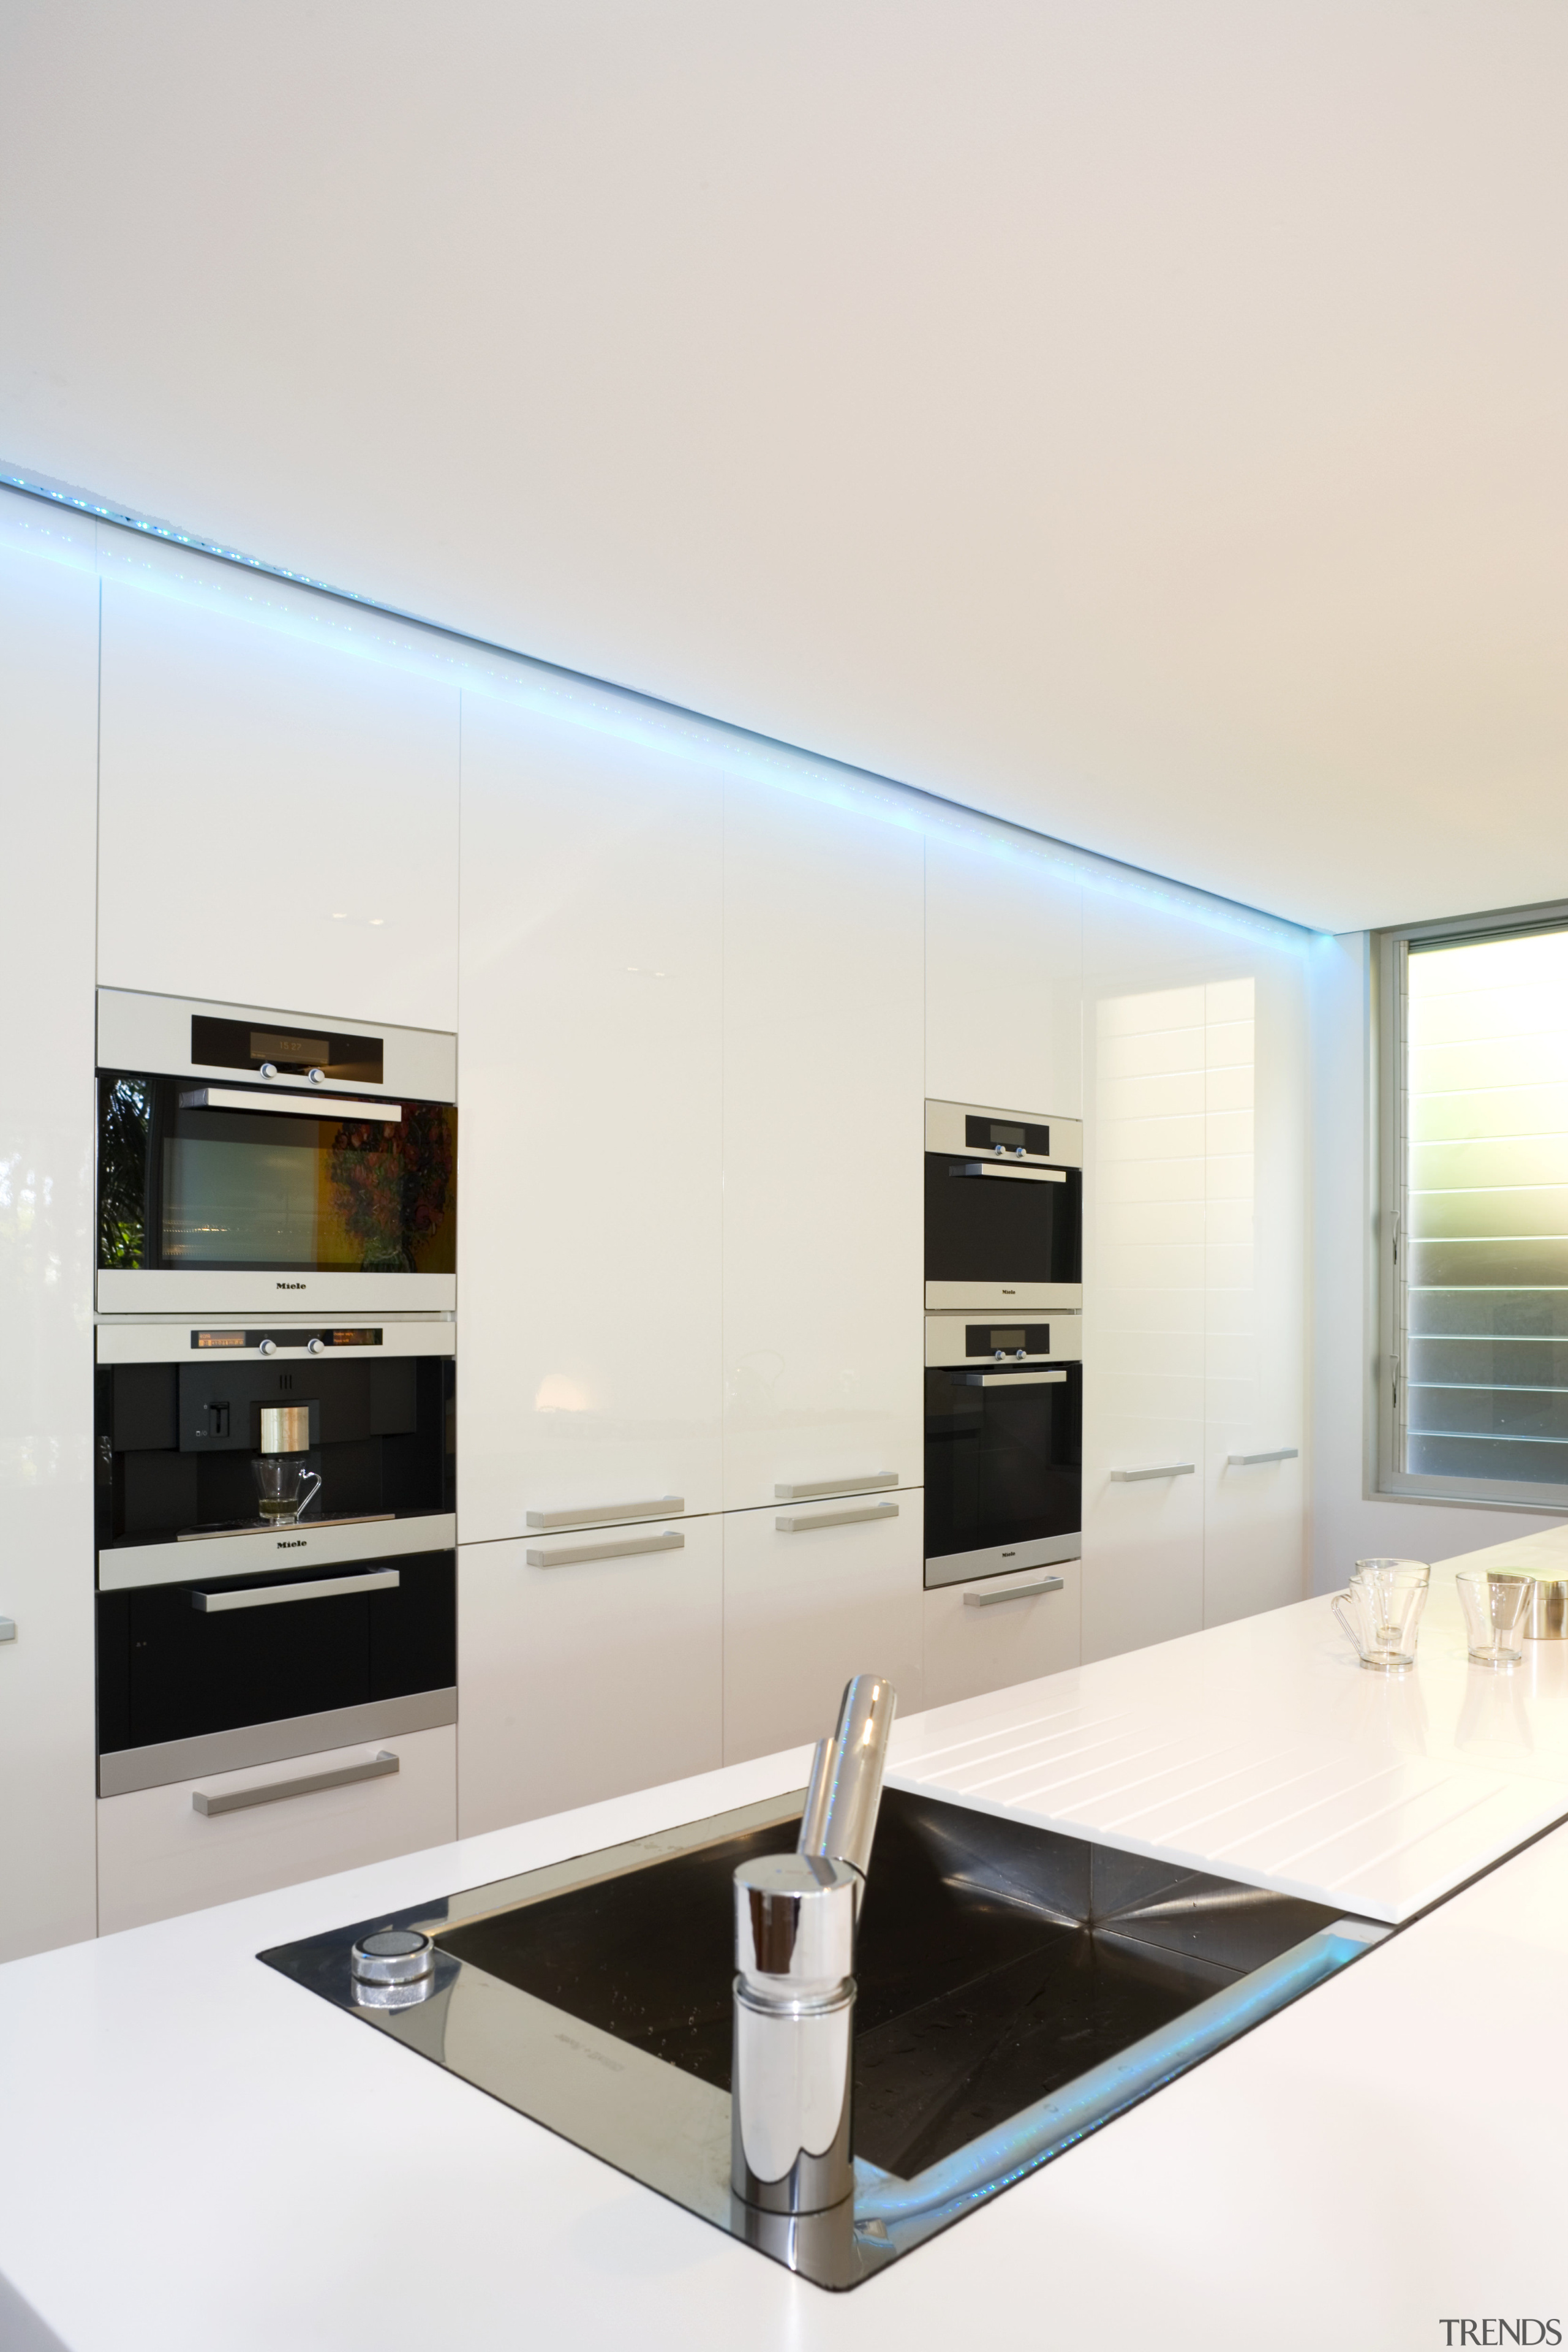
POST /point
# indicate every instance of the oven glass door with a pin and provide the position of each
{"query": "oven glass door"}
(1004, 1455)
(247, 1182)
(987, 1222)
(179, 1661)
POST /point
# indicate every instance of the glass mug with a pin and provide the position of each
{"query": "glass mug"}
(279, 1478)
(1380, 1611)
(1496, 1602)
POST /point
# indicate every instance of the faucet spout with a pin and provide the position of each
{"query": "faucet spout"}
(841, 1805)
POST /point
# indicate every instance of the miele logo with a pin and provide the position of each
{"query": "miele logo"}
(289, 1285)
(299, 1543)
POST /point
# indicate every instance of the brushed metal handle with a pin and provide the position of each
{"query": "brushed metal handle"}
(320, 1588)
(659, 1506)
(271, 1792)
(1020, 1593)
(795, 1523)
(1010, 1175)
(1161, 1470)
(808, 1490)
(1280, 1453)
(1006, 1381)
(290, 1105)
(569, 1555)
(7, 1629)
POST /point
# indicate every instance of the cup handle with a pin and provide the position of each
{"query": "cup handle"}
(1346, 1629)
(315, 1476)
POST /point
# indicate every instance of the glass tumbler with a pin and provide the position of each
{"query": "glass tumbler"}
(1382, 1615)
(1496, 1602)
(285, 1487)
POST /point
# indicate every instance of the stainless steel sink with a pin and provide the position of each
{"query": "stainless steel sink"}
(1017, 1989)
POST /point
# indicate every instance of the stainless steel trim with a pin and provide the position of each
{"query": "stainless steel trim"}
(142, 1032)
(1160, 1470)
(284, 1429)
(271, 1792)
(146, 1341)
(1017, 1592)
(258, 1297)
(252, 1551)
(810, 1490)
(1280, 1453)
(1001, 1559)
(947, 1336)
(569, 1555)
(229, 1534)
(596, 1515)
(982, 1297)
(944, 1131)
(129, 1769)
(795, 1523)
(1007, 1379)
(390, 1114)
(320, 1588)
(1014, 1175)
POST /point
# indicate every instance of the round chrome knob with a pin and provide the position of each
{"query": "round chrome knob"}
(1000, 1149)
(1022, 1354)
(1019, 1152)
(318, 1077)
(392, 1956)
(1000, 1355)
(315, 1347)
(268, 1347)
(270, 1069)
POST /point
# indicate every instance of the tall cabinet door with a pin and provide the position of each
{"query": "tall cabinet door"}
(589, 1071)
(823, 1142)
(1004, 1010)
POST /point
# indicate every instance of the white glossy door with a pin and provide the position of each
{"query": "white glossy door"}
(589, 1270)
(1000, 1630)
(812, 1603)
(1004, 995)
(277, 816)
(823, 1145)
(588, 1678)
(48, 673)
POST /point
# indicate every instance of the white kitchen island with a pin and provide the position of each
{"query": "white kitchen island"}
(196, 2155)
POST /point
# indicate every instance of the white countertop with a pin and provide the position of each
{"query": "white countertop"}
(198, 2156)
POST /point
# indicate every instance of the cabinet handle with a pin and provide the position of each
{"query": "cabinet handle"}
(1280, 1453)
(661, 1506)
(292, 1105)
(1006, 1381)
(1162, 1470)
(232, 1801)
(568, 1554)
(1020, 1592)
(7, 1629)
(807, 1490)
(795, 1523)
(999, 1168)
(324, 1588)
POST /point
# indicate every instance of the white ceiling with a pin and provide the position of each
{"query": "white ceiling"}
(1142, 418)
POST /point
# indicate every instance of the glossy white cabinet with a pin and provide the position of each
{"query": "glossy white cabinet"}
(811, 1602)
(589, 1135)
(48, 670)
(1004, 975)
(584, 1679)
(278, 818)
(159, 1855)
(1001, 1630)
(823, 1146)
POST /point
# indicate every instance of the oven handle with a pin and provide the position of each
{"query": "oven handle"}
(1011, 1175)
(1005, 1380)
(324, 1588)
(292, 1105)
(1020, 1592)
(268, 1792)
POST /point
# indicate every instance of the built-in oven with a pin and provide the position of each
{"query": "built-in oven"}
(1004, 1444)
(275, 1531)
(1003, 1209)
(268, 1162)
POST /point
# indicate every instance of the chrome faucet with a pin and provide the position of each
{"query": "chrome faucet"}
(792, 2148)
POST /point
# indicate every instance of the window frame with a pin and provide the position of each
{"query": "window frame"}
(1390, 1218)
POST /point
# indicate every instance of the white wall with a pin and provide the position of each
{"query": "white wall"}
(1347, 1521)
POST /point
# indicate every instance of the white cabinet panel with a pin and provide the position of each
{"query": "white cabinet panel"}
(1000, 1630)
(48, 680)
(157, 1855)
(589, 1129)
(588, 1678)
(277, 817)
(1004, 978)
(807, 1608)
(823, 1146)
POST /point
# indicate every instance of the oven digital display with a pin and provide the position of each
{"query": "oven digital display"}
(347, 1339)
(995, 1340)
(219, 1044)
(1006, 1135)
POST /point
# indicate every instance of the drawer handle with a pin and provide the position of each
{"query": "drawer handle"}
(569, 1555)
(1010, 1175)
(662, 1507)
(1161, 1470)
(1007, 1381)
(232, 1801)
(322, 1587)
(1020, 1592)
(808, 1490)
(795, 1523)
(1280, 1453)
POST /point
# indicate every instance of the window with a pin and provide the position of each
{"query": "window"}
(1473, 1243)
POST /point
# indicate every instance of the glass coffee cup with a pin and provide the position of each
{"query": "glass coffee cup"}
(1380, 1613)
(285, 1486)
(1496, 1602)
